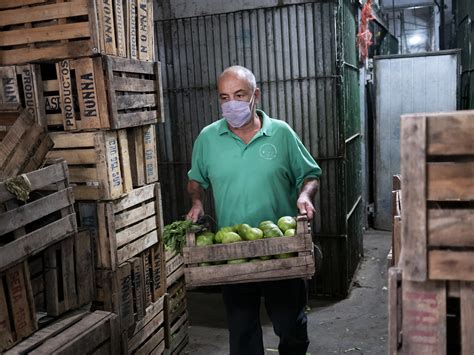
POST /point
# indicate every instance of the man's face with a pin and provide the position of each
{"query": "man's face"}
(233, 87)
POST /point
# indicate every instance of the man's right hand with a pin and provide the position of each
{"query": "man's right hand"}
(195, 212)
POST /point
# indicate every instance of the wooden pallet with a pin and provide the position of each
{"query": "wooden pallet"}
(176, 315)
(17, 309)
(79, 332)
(147, 335)
(143, 155)
(420, 319)
(24, 145)
(39, 30)
(437, 164)
(174, 267)
(98, 162)
(46, 218)
(125, 227)
(62, 275)
(300, 266)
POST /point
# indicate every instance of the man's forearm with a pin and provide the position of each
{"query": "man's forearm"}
(195, 192)
(309, 188)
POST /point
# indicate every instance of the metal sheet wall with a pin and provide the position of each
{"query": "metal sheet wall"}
(297, 56)
(406, 84)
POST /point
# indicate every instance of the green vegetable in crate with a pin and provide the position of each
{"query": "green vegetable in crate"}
(204, 240)
(266, 257)
(263, 225)
(253, 234)
(220, 234)
(231, 237)
(242, 229)
(237, 261)
(290, 232)
(286, 222)
(285, 255)
(272, 232)
(174, 234)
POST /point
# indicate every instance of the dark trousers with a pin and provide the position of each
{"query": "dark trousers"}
(285, 302)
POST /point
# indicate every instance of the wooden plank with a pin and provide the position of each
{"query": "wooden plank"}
(6, 4)
(467, 317)
(103, 173)
(413, 132)
(74, 157)
(124, 276)
(113, 165)
(32, 93)
(276, 269)
(37, 159)
(6, 333)
(107, 27)
(451, 227)
(21, 216)
(133, 119)
(84, 267)
(451, 265)
(394, 310)
(77, 140)
(450, 181)
(134, 197)
(130, 65)
(87, 92)
(137, 214)
(132, 50)
(137, 157)
(424, 317)
(81, 48)
(133, 101)
(158, 271)
(63, 70)
(44, 34)
(125, 161)
(397, 246)
(151, 328)
(451, 134)
(136, 231)
(14, 135)
(87, 193)
(101, 89)
(159, 93)
(144, 32)
(120, 28)
(146, 258)
(43, 12)
(79, 174)
(151, 154)
(247, 249)
(130, 250)
(9, 86)
(138, 288)
(22, 310)
(152, 343)
(151, 312)
(134, 85)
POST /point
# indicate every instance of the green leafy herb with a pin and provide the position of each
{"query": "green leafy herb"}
(174, 234)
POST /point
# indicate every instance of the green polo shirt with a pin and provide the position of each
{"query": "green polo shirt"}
(255, 181)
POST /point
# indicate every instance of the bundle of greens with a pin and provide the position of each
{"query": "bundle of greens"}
(174, 234)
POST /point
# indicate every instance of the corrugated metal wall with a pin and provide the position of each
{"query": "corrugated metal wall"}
(464, 15)
(406, 84)
(306, 79)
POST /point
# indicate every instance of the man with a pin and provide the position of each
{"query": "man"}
(259, 170)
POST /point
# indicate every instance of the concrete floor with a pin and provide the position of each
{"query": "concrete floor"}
(356, 325)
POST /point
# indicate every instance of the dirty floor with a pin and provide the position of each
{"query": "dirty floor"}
(356, 325)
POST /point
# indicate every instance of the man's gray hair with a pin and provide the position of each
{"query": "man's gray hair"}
(242, 72)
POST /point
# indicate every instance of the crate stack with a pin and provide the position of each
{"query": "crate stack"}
(431, 289)
(85, 71)
(176, 313)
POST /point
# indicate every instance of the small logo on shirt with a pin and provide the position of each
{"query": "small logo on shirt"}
(268, 151)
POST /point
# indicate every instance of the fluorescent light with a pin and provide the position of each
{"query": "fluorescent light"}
(416, 39)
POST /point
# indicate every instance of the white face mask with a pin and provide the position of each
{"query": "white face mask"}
(237, 113)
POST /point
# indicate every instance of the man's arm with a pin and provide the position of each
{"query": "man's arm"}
(195, 191)
(305, 199)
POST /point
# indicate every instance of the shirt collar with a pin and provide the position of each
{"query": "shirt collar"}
(266, 124)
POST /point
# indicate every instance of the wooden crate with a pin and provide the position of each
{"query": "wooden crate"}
(421, 320)
(143, 155)
(300, 266)
(79, 332)
(99, 167)
(176, 316)
(46, 218)
(129, 290)
(17, 309)
(396, 221)
(24, 145)
(174, 267)
(147, 335)
(125, 227)
(62, 275)
(39, 30)
(437, 165)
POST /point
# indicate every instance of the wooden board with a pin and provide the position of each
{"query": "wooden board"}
(174, 267)
(394, 310)
(43, 31)
(467, 317)
(143, 155)
(79, 332)
(176, 315)
(17, 316)
(49, 215)
(95, 163)
(24, 146)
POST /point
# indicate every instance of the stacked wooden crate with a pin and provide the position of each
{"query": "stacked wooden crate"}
(84, 70)
(45, 263)
(176, 313)
(431, 293)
